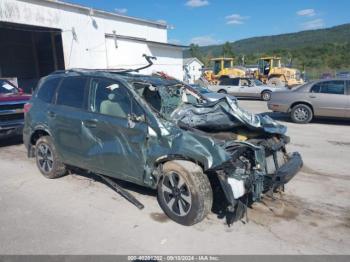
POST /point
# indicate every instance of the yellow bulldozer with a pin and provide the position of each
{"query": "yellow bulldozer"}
(272, 73)
(223, 67)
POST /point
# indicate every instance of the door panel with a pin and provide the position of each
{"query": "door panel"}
(71, 140)
(66, 118)
(329, 99)
(248, 89)
(118, 142)
(231, 85)
(120, 148)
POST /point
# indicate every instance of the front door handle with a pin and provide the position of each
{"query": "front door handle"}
(311, 96)
(91, 123)
(51, 114)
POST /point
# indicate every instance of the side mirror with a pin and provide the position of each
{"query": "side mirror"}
(20, 90)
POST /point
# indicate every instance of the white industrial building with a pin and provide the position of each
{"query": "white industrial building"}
(40, 36)
(192, 69)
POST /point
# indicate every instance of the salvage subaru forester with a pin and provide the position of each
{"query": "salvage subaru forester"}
(159, 133)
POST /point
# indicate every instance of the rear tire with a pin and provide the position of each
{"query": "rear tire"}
(184, 192)
(47, 159)
(266, 95)
(301, 114)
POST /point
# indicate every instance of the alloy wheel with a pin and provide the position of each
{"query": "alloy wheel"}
(176, 194)
(301, 114)
(45, 158)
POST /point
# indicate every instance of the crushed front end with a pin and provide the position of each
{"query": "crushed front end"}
(259, 162)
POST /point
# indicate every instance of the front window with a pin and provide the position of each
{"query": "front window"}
(109, 97)
(276, 63)
(7, 88)
(245, 82)
(258, 82)
(227, 64)
(217, 67)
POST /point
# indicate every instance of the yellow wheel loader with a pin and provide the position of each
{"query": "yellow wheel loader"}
(272, 73)
(223, 67)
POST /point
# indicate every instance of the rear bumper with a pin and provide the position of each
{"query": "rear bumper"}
(276, 107)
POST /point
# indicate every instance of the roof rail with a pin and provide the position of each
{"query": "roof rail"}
(109, 70)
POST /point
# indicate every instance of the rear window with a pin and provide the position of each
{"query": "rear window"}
(333, 87)
(229, 81)
(72, 92)
(48, 89)
(329, 87)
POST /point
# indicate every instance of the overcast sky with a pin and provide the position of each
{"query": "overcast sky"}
(206, 22)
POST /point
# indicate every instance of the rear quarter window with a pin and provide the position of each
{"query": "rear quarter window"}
(72, 92)
(48, 89)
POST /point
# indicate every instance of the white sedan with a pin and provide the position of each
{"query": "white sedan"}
(245, 87)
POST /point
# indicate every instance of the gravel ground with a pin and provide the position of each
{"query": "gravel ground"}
(79, 215)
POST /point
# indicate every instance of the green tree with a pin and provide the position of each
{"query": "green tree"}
(195, 51)
(227, 50)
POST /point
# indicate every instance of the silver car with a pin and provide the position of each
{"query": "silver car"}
(209, 95)
(245, 87)
(326, 98)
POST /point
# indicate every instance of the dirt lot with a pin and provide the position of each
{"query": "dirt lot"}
(78, 215)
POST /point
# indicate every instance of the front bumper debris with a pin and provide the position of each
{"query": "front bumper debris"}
(286, 172)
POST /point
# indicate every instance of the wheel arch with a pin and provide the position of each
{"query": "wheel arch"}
(265, 90)
(166, 158)
(38, 132)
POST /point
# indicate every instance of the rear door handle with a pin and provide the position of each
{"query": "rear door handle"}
(51, 114)
(91, 123)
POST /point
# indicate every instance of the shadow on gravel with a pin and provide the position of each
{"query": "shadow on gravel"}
(327, 121)
(11, 141)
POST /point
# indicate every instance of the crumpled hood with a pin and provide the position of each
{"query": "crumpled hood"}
(223, 115)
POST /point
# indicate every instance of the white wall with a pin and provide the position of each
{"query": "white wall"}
(128, 54)
(89, 49)
(194, 71)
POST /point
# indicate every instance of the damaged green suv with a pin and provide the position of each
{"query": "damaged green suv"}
(158, 133)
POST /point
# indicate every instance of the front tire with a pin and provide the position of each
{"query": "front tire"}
(222, 91)
(301, 114)
(184, 192)
(47, 159)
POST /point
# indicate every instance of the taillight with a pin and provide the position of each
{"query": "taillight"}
(27, 107)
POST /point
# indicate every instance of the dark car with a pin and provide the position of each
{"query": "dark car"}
(12, 100)
(161, 134)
